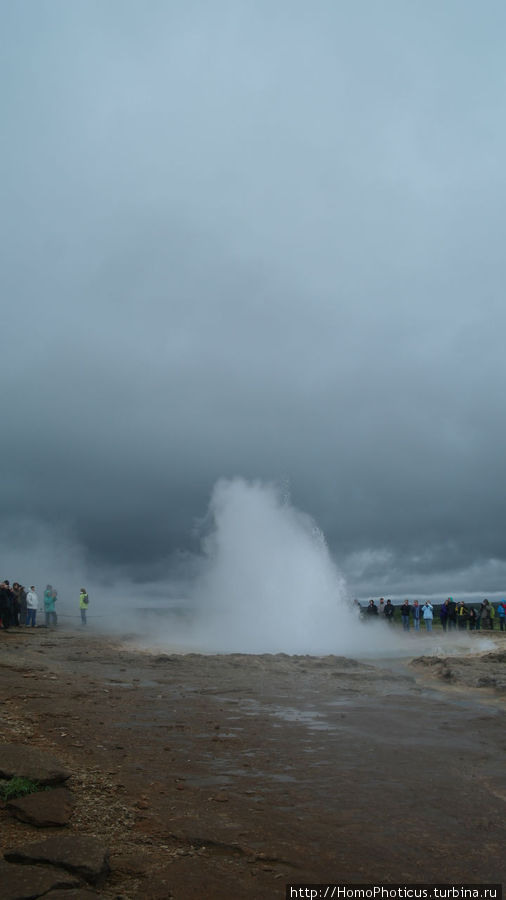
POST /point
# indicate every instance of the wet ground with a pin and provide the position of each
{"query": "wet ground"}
(229, 776)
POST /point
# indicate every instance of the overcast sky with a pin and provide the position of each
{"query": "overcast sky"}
(262, 239)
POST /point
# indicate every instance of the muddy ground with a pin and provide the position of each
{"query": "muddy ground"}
(229, 776)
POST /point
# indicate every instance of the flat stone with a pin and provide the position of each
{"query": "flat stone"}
(25, 882)
(79, 894)
(28, 762)
(135, 863)
(80, 854)
(44, 809)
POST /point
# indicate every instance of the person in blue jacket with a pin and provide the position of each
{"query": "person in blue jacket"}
(501, 612)
(428, 615)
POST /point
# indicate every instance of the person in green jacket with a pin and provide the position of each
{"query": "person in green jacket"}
(83, 605)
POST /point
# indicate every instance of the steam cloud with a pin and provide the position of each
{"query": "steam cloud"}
(270, 584)
(265, 582)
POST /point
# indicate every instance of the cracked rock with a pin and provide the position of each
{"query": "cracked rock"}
(82, 855)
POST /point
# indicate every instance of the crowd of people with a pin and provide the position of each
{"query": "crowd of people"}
(452, 615)
(19, 607)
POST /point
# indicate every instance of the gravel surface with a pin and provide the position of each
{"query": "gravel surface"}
(229, 776)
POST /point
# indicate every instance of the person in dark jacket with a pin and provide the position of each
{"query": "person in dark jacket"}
(484, 615)
(372, 609)
(357, 609)
(19, 603)
(22, 605)
(452, 614)
(389, 612)
(405, 611)
(15, 604)
(443, 614)
(471, 615)
(6, 600)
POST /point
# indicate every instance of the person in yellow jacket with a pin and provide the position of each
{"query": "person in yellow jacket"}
(83, 605)
(462, 615)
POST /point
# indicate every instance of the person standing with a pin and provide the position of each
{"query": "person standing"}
(484, 615)
(22, 605)
(5, 605)
(32, 605)
(501, 613)
(19, 604)
(452, 614)
(428, 615)
(83, 605)
(405, 611)
(443, 614)
(16, 607)
(372, 609)
(357, 609)
(389, 612)
(55, 598)
(416, 616)
(462, 615)
(50, 597)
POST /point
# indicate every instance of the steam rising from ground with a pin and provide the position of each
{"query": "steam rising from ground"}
(269, 583)
(264, 582)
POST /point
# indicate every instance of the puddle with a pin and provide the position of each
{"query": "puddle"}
(343, 701)
(112, 682)
(312, 719)
(209, 780)
(231, 775)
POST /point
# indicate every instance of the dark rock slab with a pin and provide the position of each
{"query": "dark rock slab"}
(28, 762)
(78, 894)
(135, 863)
(44, 809)
(25, 882)
(80, 854)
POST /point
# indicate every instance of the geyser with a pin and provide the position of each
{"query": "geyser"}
(269, 583)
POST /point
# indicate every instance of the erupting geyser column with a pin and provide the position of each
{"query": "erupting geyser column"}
(270, 584)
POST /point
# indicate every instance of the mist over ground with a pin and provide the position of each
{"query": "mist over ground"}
(253, 242)
(264, 581)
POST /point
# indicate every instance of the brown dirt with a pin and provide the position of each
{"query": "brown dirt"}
(229, 776)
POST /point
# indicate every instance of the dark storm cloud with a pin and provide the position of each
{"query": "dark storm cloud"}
(256, 239)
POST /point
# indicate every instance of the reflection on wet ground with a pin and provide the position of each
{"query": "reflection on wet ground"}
(303, 759)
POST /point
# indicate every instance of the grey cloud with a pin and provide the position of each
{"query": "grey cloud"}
(253, 241)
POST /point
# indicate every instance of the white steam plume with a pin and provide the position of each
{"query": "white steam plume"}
(270, 584)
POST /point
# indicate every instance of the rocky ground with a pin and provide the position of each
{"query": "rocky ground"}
(206, 777)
